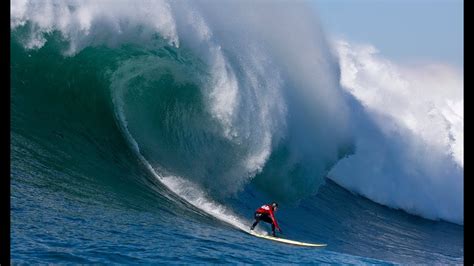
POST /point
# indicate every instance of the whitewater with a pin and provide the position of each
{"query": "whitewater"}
(171, 121)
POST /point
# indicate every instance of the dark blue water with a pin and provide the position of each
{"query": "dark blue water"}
(59, 217)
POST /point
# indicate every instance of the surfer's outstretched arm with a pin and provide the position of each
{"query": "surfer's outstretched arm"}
(274, 223)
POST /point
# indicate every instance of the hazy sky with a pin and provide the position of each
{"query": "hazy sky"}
(402, 30)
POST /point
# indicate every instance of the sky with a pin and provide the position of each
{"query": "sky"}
(406, 31)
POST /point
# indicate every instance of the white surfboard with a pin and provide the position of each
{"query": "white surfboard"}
(286, 241)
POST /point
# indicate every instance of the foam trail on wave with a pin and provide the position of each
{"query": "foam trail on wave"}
(185, 189)
(409, 134)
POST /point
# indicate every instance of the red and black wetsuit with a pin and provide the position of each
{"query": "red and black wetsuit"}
(266, 214)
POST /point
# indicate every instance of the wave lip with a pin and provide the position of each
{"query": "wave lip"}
(89, 23)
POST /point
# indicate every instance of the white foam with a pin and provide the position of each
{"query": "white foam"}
(422, 98)
(409, 137)
(223, 95)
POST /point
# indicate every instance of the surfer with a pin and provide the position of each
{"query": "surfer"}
(266, 214)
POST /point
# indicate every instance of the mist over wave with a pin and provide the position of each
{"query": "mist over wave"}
(215, 95)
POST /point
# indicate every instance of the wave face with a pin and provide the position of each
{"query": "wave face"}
(191, 110)
(212, 106)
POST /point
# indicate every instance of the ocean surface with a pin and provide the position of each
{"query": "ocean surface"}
(150, 132)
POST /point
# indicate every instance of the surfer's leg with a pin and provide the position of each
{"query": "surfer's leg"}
(257, 219)
(273, 229)
(254, 224)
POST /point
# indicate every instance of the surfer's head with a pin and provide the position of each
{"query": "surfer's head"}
(274, 205)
